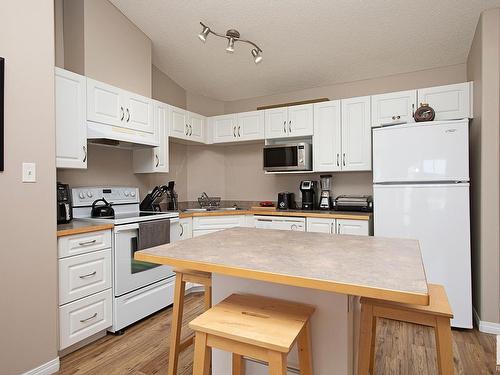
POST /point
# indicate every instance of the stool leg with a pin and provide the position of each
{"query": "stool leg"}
(304, 348)
(208, 305)
(201, 362)
(365, 339)
(238, 365)
(444, 346)
(277, 363)
(175, 329)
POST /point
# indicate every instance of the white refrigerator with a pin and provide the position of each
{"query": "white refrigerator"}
(421, 191)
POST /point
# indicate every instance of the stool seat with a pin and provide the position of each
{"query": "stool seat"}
(253, 326)
(265, 322)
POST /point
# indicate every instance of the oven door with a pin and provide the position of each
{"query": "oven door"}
(281, 158)
(131, 274)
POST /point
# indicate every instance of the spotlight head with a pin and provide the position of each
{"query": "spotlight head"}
(204, 34)
(257, 57)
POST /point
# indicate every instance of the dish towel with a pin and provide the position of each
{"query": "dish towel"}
(153, 233)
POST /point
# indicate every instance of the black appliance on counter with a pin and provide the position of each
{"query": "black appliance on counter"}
(159, 194)
(360, 203)
(308, 188)
(285, 201)
(64, 204)
(102, 210)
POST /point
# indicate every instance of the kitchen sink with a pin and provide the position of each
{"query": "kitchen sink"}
(210, 209)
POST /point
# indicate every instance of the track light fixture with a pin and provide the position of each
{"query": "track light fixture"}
(232, 37)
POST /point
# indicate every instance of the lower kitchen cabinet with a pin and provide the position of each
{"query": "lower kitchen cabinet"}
(85, 294)
(181, 229)
(209, 224)
(338, 226)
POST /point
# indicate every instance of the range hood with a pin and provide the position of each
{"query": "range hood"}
(117, 136)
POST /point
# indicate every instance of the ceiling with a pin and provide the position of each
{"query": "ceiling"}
(305, 43)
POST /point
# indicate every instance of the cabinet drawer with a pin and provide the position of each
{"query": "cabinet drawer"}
(83, 243)
(82, 275)
(218, 222)
(84, 318)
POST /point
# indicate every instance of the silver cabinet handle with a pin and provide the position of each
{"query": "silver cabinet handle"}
(187, 129)
(284, 126)
(128, 115)
(290, 126)
(239, 135)
(123, 113)
(338, 228)
(190, 130)
(88, 275)
(86, 243)
(344, 158)
(90, 317)
(234, 131)
(84, 154)
(338, 163)
(182, 230)
(332, 228)
(157, 160)
(396, 117)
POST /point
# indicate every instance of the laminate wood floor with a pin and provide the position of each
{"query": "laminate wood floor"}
(402, 349)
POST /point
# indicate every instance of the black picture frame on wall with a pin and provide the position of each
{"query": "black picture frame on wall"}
(2, 72)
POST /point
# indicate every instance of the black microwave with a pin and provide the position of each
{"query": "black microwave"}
(288, 157)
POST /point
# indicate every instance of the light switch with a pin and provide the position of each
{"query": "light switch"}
(29, 172)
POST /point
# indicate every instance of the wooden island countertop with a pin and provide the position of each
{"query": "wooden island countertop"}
(383, 268)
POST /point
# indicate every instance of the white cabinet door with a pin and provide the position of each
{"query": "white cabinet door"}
(71, 125)
(320, 225)
(178, 123)
(155, 160)
(196, 124)
(300, 120)
(139, 112)
(356, 134)
(355, 227)
(186, 226)
(250, 125)
(327, 137)
(450, 102)
(224, 128)
(276, 123)
(394, 107)
(104, 103)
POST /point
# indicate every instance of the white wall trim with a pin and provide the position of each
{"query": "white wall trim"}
(48, 368)
(486, 327)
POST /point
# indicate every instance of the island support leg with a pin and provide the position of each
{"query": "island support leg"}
(175, 328)
(366, 340)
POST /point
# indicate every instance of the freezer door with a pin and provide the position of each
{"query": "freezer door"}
(421, 152)
(438, 217)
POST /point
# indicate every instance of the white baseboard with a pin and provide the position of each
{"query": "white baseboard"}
(48, 368)
(486, 327)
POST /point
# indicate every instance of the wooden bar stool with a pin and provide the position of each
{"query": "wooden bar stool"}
(437, 315)
(257, 327)
(181, 278)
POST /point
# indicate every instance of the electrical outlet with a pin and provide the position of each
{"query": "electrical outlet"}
(29, 172)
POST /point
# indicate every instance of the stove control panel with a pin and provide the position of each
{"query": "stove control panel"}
(85, 196)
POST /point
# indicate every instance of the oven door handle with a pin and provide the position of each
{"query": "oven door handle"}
(125, 227)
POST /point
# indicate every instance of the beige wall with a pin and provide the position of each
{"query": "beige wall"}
(114, 50)
(59, 32)
(483, 67)
(166, 90)
(204, 105)
(28, 278)
(406, 81)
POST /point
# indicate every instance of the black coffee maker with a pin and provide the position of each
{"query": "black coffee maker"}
(308, 189)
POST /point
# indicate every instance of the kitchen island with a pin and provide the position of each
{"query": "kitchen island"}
(320, 269)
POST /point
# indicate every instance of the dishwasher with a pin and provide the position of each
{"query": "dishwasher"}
(282, 223)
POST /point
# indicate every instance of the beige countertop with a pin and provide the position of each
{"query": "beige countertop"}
(274, 212)
(78, 227)
(382, 268)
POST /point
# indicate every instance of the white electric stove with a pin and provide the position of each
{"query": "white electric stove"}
(139, 288)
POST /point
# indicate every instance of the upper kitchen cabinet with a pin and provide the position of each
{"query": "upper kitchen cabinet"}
(450, 102)
(119, 115)
(393, 108)
(356, 134)
(187, 125)
(71, 127)
(327, 139)
(155, 160)
(294, 121)
(245, 126)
